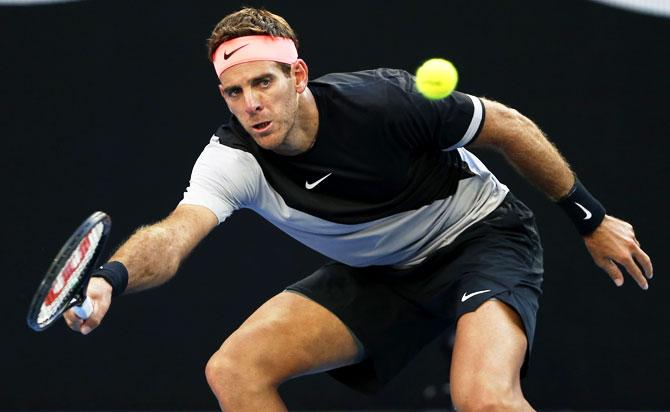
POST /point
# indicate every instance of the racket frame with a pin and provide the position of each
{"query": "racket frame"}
(76, 294)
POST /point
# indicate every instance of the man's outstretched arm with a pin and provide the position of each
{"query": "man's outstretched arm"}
(151, 255)
(537, 159)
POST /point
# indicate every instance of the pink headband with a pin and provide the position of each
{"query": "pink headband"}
(253, 48)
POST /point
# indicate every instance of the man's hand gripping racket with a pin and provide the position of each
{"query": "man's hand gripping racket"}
(66, 285)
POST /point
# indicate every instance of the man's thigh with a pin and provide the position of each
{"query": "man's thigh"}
(291, 335)
(489, 350)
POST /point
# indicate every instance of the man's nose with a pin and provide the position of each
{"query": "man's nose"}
(253, 104)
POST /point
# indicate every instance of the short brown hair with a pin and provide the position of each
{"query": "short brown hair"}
(249, 22)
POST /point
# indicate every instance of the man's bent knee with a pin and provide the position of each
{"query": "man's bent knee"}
(235, 371)
(224, 376)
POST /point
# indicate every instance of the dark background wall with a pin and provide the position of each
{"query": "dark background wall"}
(105, 105)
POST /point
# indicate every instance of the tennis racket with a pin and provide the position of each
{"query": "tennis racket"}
(64, 284)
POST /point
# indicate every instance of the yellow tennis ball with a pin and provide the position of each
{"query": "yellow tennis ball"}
(436, 78)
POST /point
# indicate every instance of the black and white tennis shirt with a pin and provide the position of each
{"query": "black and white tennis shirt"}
(387, 181)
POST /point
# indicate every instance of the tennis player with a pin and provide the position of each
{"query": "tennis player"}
(422, 236)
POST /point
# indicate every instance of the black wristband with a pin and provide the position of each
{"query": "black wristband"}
(116, 274)
(585, 211)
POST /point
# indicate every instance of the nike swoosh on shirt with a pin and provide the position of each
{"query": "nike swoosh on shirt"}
(588, 214)
(466, 296)
(310, 186)
(226, 56)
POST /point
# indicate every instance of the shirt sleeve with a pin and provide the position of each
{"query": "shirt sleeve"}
(460, 118)
(223, 180)
(452, 122)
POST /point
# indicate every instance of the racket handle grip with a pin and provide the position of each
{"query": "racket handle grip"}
(84, 311)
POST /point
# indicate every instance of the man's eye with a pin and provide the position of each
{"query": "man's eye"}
(265, 82)
(233, 93)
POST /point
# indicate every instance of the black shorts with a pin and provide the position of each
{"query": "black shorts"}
(395, 313)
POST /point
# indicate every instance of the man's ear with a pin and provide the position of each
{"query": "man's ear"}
(301, 73)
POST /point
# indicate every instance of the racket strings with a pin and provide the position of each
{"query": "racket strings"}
(69, 276)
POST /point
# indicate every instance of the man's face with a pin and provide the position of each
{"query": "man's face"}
(263, 99)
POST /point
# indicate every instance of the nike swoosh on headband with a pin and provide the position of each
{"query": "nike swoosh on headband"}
(226, 56)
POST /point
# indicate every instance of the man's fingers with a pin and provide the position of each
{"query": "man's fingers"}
(634, 270)
(73, 321)
(84, 326)
(95, 319)
(615, 248)
(644, 261)
(90, 324)
(87, 327)
(612, 270)
(100, 294)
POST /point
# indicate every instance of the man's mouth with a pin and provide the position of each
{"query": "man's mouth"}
(262, 126)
